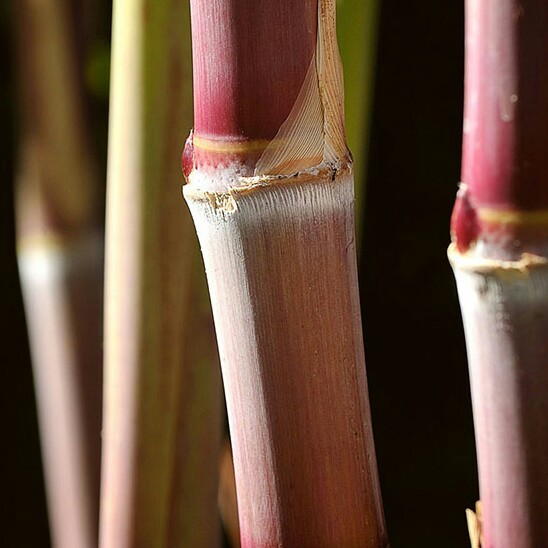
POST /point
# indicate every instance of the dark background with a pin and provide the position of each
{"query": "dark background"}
(414, 342)
(413, 336)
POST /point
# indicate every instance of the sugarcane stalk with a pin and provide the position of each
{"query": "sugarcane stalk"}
(60, 256)
(162, 392)
(270, 190)
(499, 255)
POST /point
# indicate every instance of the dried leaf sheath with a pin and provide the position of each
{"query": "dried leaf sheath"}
(279, 253)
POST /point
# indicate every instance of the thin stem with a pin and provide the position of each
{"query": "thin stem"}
(162, 404)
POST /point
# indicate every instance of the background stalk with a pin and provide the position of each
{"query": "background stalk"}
(161, 415)
(499, 255)
(60, 256)
(357, 23)
(273, 208)
(228, 504)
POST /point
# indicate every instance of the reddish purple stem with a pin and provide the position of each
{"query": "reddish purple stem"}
(250, 60)
(505, 163)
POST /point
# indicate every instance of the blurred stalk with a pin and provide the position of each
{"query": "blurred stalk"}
(499, 255)
(60, 257)
(357, 24)
(228, 505)
(161, 415)
(270, 188)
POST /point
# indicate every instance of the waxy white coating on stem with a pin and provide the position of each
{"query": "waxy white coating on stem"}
(281, 266)
(162, 420)
(505, 313)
